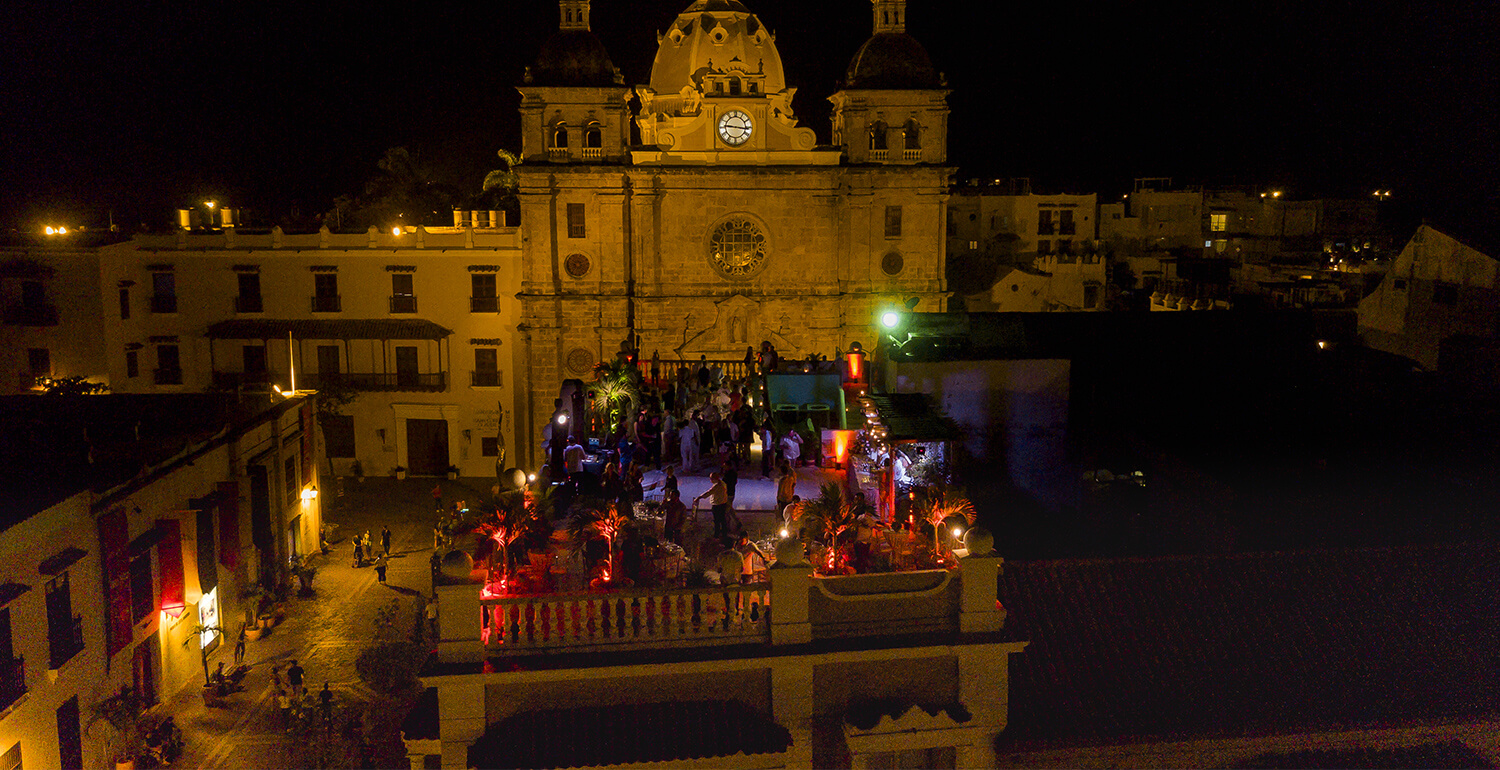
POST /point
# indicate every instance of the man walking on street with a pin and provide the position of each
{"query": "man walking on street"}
(380, 569)
(325, 704)
(294, 678)
(385, 540)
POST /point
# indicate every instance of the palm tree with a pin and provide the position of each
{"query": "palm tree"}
(617, 389)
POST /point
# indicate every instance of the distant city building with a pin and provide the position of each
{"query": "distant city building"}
(1436, 288)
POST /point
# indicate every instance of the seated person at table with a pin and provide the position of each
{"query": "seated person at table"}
(674, 515)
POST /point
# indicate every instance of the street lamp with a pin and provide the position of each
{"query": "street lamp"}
(890, 319)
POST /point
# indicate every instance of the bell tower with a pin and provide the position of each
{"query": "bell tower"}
(893, 107)
(890, 16)
(573, 98)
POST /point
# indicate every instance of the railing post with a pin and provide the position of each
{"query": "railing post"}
(979, 575)
(791, 582)
(459, 624)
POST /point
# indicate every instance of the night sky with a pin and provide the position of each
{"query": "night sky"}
(145, 106)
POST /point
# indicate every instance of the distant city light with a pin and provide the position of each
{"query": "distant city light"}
(958, 532)
(785, 533)
(309, 494)
(210, 204)
(51, 230)
(531, 477)
(1276, 194)
(890, 320)
(562, 419)
(395, 231)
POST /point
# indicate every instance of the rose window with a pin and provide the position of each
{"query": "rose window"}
(737, 248)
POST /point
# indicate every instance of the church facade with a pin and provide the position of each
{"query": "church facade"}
(695, 215)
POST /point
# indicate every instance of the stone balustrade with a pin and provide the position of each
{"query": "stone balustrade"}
(793, 607)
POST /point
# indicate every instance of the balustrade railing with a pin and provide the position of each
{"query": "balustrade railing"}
(667, 369)
(738, 614)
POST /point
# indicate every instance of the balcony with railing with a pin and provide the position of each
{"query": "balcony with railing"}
(593, 153)
(792, 605)
(557, 154)
(327, 303)
(484, 304)
(163, 303)
(65, 642)
(484, 378)
(403, 303)
(911, 154)
(168, 376)
(249, 304)
(880, 156)
(33, 314)
(12, 681)
(428, 382)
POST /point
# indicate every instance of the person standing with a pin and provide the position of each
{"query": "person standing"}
(359, 556)
(380, 566)
(325, 705)
(385, 540)
(786, 486)
(791, 448)
(239, 647)
(284, 705)
(688, 437)
(437, 497)
(718, 496)
(767, 447)
(674, 515)
(294, 678)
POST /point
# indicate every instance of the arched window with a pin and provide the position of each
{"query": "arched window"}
(593, 136)
(913, 135)
(877, 136)
(569, 16)
(560, 136)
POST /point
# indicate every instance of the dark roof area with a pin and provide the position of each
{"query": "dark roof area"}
(1218, 645)
(327, 329)
(616, 735)
(421, 723)
(1000, 336)
(574, 58)
(53, 447)
(1427, 756)
(892, 60)
(913, 417)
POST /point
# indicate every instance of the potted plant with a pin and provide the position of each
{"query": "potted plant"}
(400, 472)
(122, 712)
(302, 567)
(453, 473)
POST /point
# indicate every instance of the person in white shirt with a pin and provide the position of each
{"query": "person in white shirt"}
(688, 435)
(791, 448)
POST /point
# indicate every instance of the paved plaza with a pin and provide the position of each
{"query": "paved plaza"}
(327, 631)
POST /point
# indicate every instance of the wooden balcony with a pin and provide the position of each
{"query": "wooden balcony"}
(428, 382)
(231, 380)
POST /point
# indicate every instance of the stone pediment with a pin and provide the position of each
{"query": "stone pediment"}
(739, 322)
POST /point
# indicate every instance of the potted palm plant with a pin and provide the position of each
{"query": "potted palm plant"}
(122, 713)
(400, 472)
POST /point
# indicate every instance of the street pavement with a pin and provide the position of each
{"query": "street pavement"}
(327, 631)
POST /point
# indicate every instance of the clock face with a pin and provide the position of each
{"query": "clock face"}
(735, 128)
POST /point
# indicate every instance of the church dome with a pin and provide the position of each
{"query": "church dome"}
(716, 36)
(573, 57)
(892, 60)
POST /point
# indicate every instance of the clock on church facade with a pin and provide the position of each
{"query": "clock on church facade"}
(701, 216)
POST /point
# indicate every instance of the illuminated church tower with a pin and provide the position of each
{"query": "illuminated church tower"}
(719, 222)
